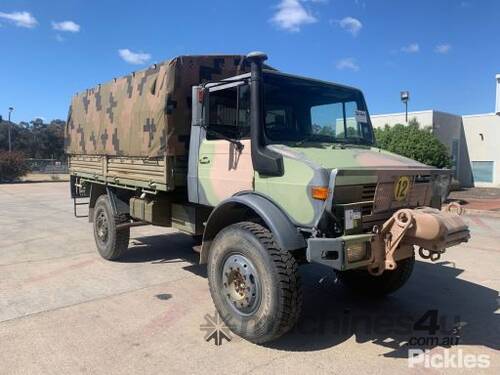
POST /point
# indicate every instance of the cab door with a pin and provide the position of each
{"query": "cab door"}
(225, 163)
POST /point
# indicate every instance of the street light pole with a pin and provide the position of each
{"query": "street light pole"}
(10, 142)
(405, 97)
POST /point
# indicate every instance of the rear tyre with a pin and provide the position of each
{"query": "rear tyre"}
(110, 241)
(362, 282)
(254, 284)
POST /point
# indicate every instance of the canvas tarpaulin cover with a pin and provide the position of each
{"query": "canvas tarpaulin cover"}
(146, 113)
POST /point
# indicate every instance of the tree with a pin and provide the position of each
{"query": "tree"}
(12, 166)
(36, 139)
(414, 142)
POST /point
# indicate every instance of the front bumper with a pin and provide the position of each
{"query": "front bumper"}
(337, 252)
(424, 228)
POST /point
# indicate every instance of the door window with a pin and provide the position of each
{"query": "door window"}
(229, 113)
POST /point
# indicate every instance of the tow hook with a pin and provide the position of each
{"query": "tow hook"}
(456, 208)
(427, 254)
(387, 240)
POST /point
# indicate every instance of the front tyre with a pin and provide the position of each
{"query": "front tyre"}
(254, 284)
(111, 242)
(364, 283)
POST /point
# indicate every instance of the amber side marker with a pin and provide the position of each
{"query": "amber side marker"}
(319, 192)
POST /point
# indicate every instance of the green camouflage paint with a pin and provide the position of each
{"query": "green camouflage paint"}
(291, 191)
(229, 172)
(223, 170)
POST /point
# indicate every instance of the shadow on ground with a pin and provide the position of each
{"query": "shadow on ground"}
(168, 248)
(464, 311)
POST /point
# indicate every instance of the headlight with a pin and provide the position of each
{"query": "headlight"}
(356, 251)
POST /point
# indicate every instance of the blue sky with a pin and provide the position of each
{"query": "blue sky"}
(445, 52)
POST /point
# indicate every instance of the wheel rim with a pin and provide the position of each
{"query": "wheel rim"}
(102, 227)
(241, 284)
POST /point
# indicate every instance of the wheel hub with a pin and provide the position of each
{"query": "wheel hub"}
(241, 284)
(102, 227)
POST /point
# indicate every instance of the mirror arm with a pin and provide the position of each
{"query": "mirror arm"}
(240, 146)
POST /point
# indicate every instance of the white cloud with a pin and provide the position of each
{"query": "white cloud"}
(69, 26)
(20, 19)
(347, 63)
(135, 58)
(442, 48)
(291, 15)
(351, 24)
(411, 48)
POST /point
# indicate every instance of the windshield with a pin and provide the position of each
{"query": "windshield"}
(299, 110)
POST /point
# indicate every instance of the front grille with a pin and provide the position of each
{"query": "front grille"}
(377, 202)
(368, 192)
(366, 210)
(369, 221)
(420, 194)
(423, 179)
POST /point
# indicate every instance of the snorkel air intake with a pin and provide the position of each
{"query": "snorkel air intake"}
(264, 160)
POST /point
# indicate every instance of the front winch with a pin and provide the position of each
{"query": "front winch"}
(432, 230)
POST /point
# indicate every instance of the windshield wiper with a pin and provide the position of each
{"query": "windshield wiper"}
(312, 136)
(357, 141)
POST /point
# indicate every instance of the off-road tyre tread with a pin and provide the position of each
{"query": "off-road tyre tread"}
(120, 238)
(363, 283)
(288, 278)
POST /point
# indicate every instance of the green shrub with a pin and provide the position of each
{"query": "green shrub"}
(12, 166)
(414, 143)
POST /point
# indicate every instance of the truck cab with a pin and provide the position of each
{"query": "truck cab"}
(312, 154)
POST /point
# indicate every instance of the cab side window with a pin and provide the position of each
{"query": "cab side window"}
(229, 113)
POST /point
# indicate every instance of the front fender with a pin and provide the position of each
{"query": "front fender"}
(238, 207)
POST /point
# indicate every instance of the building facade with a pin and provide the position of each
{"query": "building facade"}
(473, 140)
(448, 128)
(482, 133)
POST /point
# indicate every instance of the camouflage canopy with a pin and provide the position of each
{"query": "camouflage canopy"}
(146, 113)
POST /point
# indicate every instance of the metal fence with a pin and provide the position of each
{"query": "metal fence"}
(50, 166)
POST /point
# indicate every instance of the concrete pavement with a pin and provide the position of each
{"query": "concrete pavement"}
(483, 199)
(65, 310)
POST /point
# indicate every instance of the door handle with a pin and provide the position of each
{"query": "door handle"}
(204, 160)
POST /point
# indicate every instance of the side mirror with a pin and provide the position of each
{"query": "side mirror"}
(200, 96)
(202, 92)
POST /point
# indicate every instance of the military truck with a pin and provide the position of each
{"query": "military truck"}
(271, 170)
